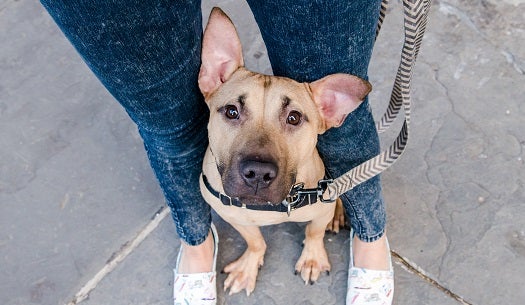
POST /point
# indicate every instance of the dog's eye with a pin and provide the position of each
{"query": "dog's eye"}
(231, 112)
(294, 118)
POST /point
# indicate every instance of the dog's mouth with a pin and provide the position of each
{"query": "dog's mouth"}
(257, 180)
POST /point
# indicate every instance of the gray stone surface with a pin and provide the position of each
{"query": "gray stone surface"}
(75, 184)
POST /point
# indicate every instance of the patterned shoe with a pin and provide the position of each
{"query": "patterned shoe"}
(369, 287)
(196, 288)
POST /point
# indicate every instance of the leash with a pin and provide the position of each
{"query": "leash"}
(415, 21)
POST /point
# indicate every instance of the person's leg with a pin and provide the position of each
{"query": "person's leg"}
(147, 54)
(307, 40)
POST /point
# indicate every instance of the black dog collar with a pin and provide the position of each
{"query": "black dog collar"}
(297, 197)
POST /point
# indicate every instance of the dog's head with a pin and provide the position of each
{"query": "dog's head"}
(263, 129)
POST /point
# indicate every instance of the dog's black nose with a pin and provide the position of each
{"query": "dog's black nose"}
(258, 174)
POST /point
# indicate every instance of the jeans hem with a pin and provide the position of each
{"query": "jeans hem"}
(369, 239)
(198, 241)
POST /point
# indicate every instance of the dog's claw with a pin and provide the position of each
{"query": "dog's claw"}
(242, 273)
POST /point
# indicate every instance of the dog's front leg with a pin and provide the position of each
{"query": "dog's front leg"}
(338, 221)
(314, 259)
(242, 273)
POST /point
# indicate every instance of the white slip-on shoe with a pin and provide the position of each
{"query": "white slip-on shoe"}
(369, 287)
(196, 288)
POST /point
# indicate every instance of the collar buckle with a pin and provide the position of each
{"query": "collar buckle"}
(294, 197)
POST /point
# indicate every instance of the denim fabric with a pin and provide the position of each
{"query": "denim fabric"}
(147, 54)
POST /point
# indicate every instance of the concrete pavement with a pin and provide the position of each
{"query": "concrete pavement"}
(76, 187)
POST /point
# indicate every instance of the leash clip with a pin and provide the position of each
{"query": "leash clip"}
(322, 186)
(298, 194)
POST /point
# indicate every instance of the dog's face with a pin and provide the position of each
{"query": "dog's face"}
(263, 129)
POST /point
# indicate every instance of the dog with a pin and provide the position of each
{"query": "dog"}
(262, 150)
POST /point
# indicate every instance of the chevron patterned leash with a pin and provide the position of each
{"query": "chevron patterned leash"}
(415, 21)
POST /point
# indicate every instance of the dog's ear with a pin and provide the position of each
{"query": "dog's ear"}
(221, 52)
(337, 95)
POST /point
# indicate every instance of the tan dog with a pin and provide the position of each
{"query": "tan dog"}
(263, 134)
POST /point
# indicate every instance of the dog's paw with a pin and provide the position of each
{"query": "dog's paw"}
(242, 273)
(313, 261)
(338, 221)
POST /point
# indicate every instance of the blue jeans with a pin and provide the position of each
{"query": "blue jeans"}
(147, 55)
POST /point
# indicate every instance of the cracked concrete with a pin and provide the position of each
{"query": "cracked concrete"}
(75, 184)
(474, 159)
